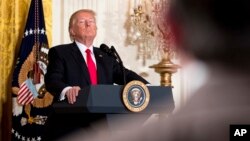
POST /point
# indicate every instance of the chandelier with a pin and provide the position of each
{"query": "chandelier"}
(148, 30)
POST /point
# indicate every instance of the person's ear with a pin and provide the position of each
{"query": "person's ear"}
(72, 32)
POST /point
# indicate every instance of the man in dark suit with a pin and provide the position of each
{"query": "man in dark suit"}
(77, 65)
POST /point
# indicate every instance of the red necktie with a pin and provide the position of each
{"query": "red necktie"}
(91, 68)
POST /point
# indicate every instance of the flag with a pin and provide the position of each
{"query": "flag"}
(31, 101)
(26, 93)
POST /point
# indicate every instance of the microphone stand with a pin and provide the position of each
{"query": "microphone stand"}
(120, 62)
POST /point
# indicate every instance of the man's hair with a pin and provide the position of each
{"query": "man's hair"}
(72, 18)
(213, 30)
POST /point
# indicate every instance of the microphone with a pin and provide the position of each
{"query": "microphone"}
(120, 62)
(111, 51)
(105, 49)
(116, 55)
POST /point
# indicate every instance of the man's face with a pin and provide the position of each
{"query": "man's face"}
(84, 26)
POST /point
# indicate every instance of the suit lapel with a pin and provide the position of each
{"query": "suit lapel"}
(99, 63)
(81, 62)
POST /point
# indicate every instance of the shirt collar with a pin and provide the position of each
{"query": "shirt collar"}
(83, 48)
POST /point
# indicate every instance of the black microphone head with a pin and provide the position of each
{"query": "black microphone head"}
(105, 48)
(112, 49)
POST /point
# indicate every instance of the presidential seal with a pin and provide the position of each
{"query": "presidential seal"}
(135, 96)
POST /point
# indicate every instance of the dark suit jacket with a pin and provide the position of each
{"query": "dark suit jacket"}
(67, 68)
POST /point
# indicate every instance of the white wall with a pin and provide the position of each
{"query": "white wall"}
(111, 17)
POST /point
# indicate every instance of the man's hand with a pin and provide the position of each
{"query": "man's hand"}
(72, 93)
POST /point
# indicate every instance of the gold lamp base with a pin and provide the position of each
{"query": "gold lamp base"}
(165, 68)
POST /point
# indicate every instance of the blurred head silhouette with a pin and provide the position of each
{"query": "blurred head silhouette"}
(212, 30)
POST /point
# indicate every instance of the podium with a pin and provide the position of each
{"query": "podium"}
(107, 99)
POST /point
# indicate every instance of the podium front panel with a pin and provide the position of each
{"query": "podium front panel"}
(108, 99)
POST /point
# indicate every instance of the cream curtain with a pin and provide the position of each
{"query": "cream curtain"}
(13, 16)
